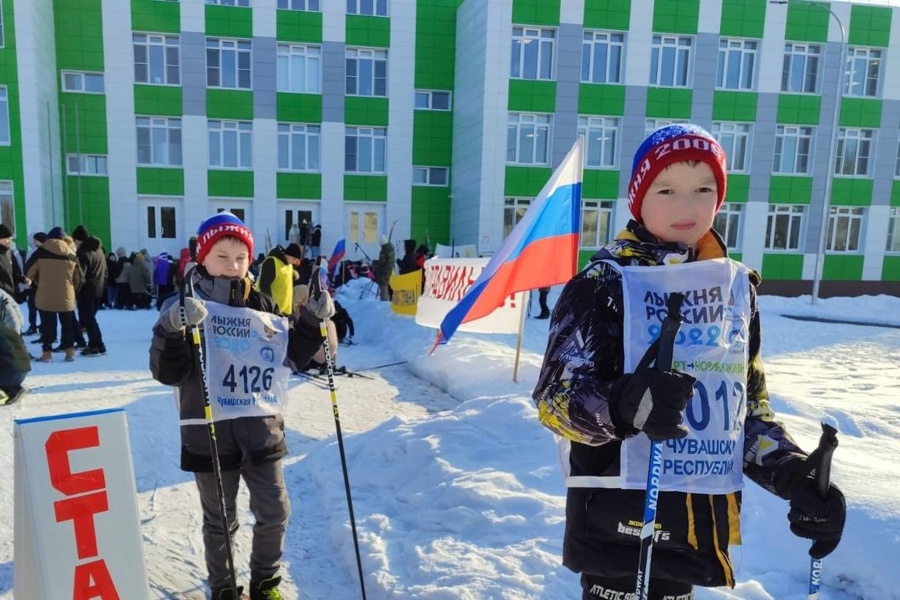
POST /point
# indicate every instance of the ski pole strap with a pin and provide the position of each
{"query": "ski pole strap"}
(828, 442)
(665, 350)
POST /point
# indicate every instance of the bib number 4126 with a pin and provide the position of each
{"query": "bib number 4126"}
(249, 379)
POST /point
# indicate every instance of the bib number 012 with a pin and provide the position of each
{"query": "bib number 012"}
(250, 379)
(701, 405)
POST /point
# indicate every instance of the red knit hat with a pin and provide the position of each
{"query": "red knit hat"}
(669, 145)
(224, 224)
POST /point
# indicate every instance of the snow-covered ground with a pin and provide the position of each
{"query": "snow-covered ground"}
(456, 488)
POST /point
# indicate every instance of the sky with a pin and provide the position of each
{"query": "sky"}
(456, 487)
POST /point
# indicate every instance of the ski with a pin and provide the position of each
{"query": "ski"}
(322, 376)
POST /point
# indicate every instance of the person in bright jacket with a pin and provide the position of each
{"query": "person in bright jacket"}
(277, 276)
(710, 408)
(245, 345)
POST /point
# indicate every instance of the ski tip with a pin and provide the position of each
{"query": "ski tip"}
(829, 422)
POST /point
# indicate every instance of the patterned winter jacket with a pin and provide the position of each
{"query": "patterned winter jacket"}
(584, 358)
(172, 362)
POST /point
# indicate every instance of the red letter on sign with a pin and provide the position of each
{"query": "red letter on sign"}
(81, 510)
(92, 580)
(61, 476)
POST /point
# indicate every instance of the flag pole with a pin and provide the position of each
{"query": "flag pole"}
(521, 331)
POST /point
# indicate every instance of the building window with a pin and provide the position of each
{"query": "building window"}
(430, 176)
(528, 139)
(7, 203)
(792, 147)
(897, 167)
(432, 100)
(373, 8)
(800, 72)
(601, 57)
(157, 59)
(863, 69)
(728, 224)
(737, 64)
(299, 68)
(783, 226)
(310, 5)
(86, 164)
(87, 83)
(298, 147)
(230, 144)
(365, 149)
(513, 211)
(670, 61)
(652, 125)
(4, 116)
(159, 141)
(161, 222)
(596, 223)
(532, 53)
(366, 72)
(844, 227)
(854, 148)
(601, 140)
(228, 63)
(893, 237)
(735, 140)
(2, 32)
(244, 3)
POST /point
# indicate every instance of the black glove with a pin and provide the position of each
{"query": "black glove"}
(812, 516)
(653, 402)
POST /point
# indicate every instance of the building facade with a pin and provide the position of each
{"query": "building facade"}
(440, 120)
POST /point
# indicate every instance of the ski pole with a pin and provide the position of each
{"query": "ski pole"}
(213, 443)
(828, 442)
(654, 469)
(323, 330)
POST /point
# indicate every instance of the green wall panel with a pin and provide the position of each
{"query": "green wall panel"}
(78, 27)
(798, 109)
(807, 22)
(601, 99)
(842, 267)
(160, 182)
(535, 12)
(607, 14)
(676, 16)
(230, 184)
(306, 186)
(734, 106)
(87, 203)
(298, 26)
(861, 112)
(743, 18)
(532, 96)
(87, 133)
(435, 45)
(11, 168)
(738, 188)
(229, 21)
(367, 188)
(787, 189)
(890, 268)
(782, 266)
(600, 183)
(362, 30)
(525, 181)
(363, 110)
(298, 108)
(869, 25)
(432, 138)
(161, 100)
(155, 16)
(895, 193)
(584, 257)
(229, 104)
(851, 191)
(430, 215)
(672, 103)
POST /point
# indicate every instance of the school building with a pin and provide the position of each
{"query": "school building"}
(444, 118)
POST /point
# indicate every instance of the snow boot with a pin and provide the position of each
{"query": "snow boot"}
(224, 592)
(267, 589)
(70, 354)
(46, 356)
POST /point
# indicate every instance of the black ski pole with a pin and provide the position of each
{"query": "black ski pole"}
(648, 531)
(213, 444)
(827, 444)
(323, 330)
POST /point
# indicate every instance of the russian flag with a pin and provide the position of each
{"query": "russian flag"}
(541, 250)
(336, 255)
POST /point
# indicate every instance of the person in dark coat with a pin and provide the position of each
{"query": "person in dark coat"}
(315, 242)
(384, 268)
(93, 264)
(15, 362)
(10, 270)
(407, 264)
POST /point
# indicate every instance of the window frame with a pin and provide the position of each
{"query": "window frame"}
(651, 125)
(311, 133)
(243, 134)
(866, 55)
(514, 208)
(239, 47)
(84, 161)
(808, 57)
(780, 136)
(292, 51)
(7, 201)
(306, 4)
(5, 124)
(154, 123)
(429, 173)
(354, 7)
(658, 45)
(729, 140)
(589, 51)
(163, 43)
(796, 214)
(527, 37)
(605, 211)
(428, 96)
(358, 56)
(892, 245)
(733, 215)
(745, 49)
(861, 141)
(852, 216)
(587, 124)
(234, 3)
(83, 78)
(530, 120)
(378, 137)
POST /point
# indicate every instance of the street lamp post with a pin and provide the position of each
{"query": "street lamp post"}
(832, 149)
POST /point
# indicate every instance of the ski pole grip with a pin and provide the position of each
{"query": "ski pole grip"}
(827, 444)
(669, 331)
